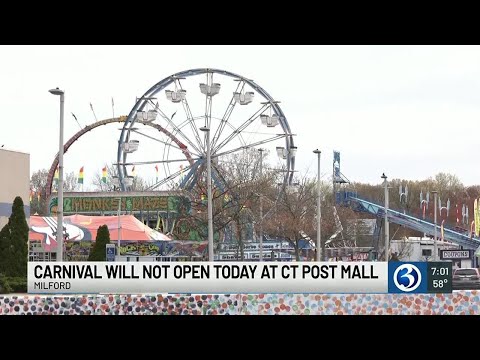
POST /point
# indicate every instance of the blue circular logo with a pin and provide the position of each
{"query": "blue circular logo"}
(407, 277)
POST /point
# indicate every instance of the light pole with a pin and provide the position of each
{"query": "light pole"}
(435, 225)
(119, 227)
(209, 193)
(387, 228)
(261, 206)
(319, 210)
(57, 91)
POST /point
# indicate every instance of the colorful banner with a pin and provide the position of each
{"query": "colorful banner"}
(163, 248)
(104, 175)
(80, 176)
(80, 250)
(171, 205)
(459, 303)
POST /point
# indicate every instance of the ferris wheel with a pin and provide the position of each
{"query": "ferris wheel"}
(237, 113)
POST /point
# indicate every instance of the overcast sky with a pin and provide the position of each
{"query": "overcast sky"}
(408, 111)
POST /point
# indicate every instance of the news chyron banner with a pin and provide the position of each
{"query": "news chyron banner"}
(237, 277)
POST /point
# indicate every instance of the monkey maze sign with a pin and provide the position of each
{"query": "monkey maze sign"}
(169, 203)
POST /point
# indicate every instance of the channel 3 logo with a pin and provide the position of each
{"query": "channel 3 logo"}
(406, 277)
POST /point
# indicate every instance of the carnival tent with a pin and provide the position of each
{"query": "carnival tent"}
(84, 228)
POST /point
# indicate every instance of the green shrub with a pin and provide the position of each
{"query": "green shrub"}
(18, 284)
(5, 287)
(99, 251)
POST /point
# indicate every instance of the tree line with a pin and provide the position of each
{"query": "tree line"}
(290, 211)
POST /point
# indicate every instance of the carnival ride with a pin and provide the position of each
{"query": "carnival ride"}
(177, 139)
(249, 119)
(351, 199)
(345, 196)
(244, 121)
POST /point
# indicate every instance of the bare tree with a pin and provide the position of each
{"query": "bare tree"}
(404, 249)
(296, 211)
(140, 184)
(70, 183)
(99, 184)
(235, 199)
(38, 188)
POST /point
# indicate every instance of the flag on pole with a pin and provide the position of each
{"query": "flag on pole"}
(441, 230)
(104, 175)
(56, 176)
(80, 176)
(133, 171)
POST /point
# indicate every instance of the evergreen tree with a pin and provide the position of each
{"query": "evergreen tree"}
(5, 254)
(18, 229)
(99, 252)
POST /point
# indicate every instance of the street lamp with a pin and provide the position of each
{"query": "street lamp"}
(209, 193)
(435, 227)
(387, 228)
(261, 206)
(119, 227)
(319, 210)
(57, 91)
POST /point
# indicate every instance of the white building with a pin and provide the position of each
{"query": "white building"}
(422, 249)
(15, 181)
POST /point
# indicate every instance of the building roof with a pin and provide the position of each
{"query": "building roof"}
(14, 151)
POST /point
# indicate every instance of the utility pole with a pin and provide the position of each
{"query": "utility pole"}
(435, 250)
(320, 253)
(261, 206)
(387, 229)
